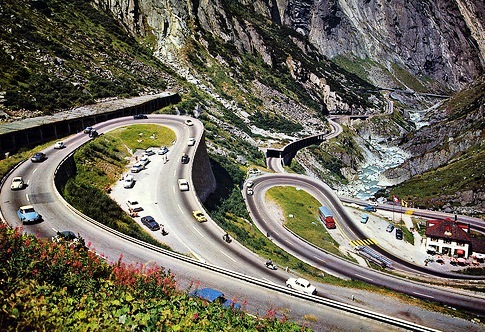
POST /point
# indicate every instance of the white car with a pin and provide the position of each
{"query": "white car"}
(137, 167)
(17, 183)
(149, 152)
(183, 184)
(250, 191)
(163, 150)
(249, 184)
(191, 141)
(144, 160)
(189, 122)
(59, 145)
(373, 203)
(301, 285)
(129, 181)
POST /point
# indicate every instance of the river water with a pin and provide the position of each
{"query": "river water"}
(379, 157)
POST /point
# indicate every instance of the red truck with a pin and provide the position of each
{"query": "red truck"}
(326, 217)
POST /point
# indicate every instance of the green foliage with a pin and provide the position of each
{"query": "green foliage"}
(50, 287)
(300, 213)
(45, 66)
(407, 78)
(463, 173)
(275, 122)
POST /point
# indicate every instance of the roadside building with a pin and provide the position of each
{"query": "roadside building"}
(448, 237)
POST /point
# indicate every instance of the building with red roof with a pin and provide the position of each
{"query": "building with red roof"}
(448, 237)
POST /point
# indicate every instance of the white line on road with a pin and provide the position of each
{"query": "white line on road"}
(420, 294)
(319, 259)
(27, 196)
(180, 208)
(198, 231)
(228, 256)
(358, 275)
(34, 170)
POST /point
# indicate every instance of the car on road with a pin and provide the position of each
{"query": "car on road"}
(17, 183)
(150, 222)
(87, 130)
(249, 184)
(163, 150)
(149, 152)
(59, 145)
(213, 295)
(364, 218)
(69, 238)
(185, 159)
(134, 205)
(199, 216)
(183, 184)
(128, 181)
(249, 191)
(373, 203)
(398, 233)
(38, 157)
(191, 141)
(301, 285)
(144, 160)
(189, 122)
(370, 208)
(390, 228)
(27, 214)
(139, 116)
(137, 167)
(93, 133)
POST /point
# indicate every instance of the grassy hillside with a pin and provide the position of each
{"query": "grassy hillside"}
(51, 287)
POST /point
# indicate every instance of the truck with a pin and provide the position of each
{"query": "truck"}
(326, 217)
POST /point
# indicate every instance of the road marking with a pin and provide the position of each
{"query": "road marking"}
(27, 196)
(198, 231)
(174, 172)
(358, 275)
(420, 294)
(180, 208)
(34, 170)
(321, 260)
(228, 256)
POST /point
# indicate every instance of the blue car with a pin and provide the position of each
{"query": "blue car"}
(27, 214)
(213, 295)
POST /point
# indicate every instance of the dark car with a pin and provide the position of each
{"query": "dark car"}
(150, 222)
(398, 233)
(370, 208)
(87, 130)
(38, 157)
(185, 159)
(140, 116)
(93, 133)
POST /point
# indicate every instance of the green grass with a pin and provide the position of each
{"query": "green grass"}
(300, 211)
(143, 136)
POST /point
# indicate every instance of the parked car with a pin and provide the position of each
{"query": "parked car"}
(199, 216)
(189, 122)
(149, 152)
(139, 116)
(370, 208)
(163, 150)
(87, 130)
(398, 233)
(301, 285)
(17, 183)
(38, 157)
(144, 160)
(134, 206)
(185, 159)
(27, 214)
(129, 181)
(137, 167)
(364, 218)
(191, 141)
(390, 228)
(59, 145)
(150, 222)
(213, 295)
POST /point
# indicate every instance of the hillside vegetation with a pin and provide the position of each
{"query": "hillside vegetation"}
(51, 287)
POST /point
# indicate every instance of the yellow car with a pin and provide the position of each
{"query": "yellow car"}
(199, 216)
